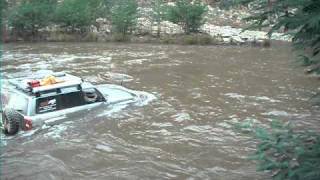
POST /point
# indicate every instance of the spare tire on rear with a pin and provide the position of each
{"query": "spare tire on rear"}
(11, 120)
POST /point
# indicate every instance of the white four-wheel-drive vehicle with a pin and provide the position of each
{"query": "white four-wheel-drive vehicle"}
(28, 102)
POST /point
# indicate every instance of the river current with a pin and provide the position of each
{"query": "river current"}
(187, 132)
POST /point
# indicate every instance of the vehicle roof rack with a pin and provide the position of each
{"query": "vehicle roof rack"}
(67, 80)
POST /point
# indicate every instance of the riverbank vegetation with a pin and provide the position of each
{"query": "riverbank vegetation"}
(188, 15)
(288, 153)
(285, 152)
(81, 20)
(299, 18)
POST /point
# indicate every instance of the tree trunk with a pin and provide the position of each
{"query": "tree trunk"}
(286, 28)
(159, 29)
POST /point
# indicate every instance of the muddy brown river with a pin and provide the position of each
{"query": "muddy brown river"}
(187, 132)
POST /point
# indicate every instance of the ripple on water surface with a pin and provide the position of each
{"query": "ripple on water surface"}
(186, 133)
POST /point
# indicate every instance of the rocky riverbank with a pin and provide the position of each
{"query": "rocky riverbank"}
(221, 27)
(224, 26)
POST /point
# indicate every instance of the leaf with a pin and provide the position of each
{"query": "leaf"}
(262, 134)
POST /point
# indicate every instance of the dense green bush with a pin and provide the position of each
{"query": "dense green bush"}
(286, 153)
(189, 14)
(98, 9)
(31, 15)
(74, 14)
(124, 16)
(3, 6)
(158, 13)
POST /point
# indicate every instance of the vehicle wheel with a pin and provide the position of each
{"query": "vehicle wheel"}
(11, 120)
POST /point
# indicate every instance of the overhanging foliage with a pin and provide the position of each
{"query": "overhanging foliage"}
(285, 152)
(299, 18)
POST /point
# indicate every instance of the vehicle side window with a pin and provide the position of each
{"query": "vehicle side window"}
(59, 102)
(46, 104)
(71, 100)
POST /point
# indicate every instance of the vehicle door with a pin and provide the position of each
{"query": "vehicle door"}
(58, 108)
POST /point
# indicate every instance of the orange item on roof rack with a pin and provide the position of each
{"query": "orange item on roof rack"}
(49, 80)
